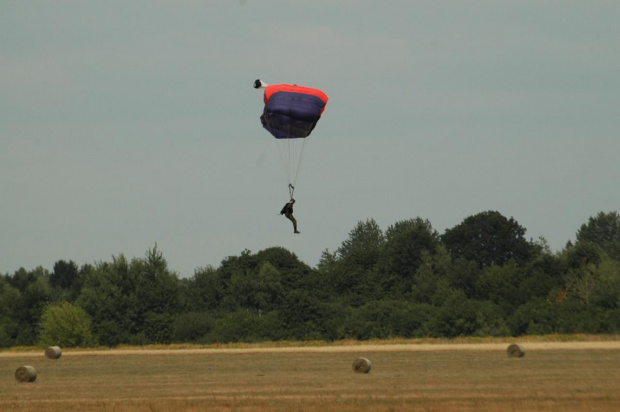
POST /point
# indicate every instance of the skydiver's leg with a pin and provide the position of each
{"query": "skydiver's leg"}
(294, 224)
(292, 219)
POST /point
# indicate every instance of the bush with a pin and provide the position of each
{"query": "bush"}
(245, 326)
(536, 317)
(110, 334)
(188, 327)
(384, 319)
(65, 325)
(459, 316)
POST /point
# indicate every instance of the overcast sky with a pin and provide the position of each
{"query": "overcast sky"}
(125, 124)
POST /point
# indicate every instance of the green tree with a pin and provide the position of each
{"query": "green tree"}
(582, 282)
(363, 247)
(65, 325)
(391, 318)
(403, 254)
(459, 316)
(269, 291)
(238, 275)
(108, 297)
(603, 230)
(325, 274)
(245, 326)
(542, 275)
(241, 290)
(538, 316)
(343, 281)
(607, 292)
(433, 268)
(293, 272)
(463, 274)
(156, 297)
(301, 314)
(64, 274)
(500, 285)
(66, 280)
(36, 294)
(488, 238)
(583, 253)
(9, 307)
(202, 292)
(191, 326)
(22, 278)
(132, 302)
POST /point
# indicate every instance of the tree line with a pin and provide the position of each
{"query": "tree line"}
(482, 277)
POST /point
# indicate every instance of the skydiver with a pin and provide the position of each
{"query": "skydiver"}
(287, 211)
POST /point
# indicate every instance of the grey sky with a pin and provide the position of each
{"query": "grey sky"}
(129, 123)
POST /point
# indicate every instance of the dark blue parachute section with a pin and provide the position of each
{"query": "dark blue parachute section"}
(292, 111)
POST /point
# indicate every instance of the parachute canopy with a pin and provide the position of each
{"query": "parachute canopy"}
(292, 111)
(290, 114)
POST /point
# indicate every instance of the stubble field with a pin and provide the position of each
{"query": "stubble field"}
(556, 376)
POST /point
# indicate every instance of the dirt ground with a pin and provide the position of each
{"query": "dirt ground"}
(569, 376)
(362, 347)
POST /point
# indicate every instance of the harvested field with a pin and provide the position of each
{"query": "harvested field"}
(566, 376)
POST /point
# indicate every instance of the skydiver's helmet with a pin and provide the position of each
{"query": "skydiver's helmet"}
(258, 83)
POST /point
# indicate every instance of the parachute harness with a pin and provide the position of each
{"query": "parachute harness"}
(291, 189)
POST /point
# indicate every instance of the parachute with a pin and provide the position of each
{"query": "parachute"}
(291, 113)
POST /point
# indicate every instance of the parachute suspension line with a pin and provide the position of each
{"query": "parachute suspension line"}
(290, 159)
(291, 151)
(298, 162)
(282, 151)
(287, 150)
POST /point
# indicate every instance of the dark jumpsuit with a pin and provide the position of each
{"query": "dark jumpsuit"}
(287, 211)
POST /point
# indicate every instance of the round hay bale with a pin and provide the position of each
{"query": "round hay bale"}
(26, 374)
(515, 351)
(53, 352)
(361, 365)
